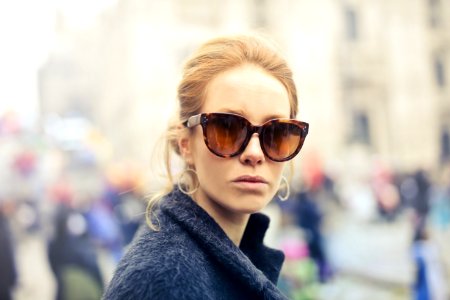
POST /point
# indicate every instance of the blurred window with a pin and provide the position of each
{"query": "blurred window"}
(361, 127)
(200, 12)
(439, 71)
(260, 15)
(434, 13)
(445, 145)
(351, 24)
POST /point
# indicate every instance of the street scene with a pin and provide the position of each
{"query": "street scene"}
(90, 89)
(340, 242)
(372, 260)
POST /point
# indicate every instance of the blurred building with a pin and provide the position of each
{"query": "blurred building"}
(369, 72)
(393, 57)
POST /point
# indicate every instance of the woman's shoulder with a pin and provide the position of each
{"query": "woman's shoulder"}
(167, 243)
(159, 264)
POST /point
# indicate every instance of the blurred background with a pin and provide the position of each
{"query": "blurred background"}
(87, 88)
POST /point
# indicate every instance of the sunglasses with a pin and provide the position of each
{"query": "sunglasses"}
(227, 135)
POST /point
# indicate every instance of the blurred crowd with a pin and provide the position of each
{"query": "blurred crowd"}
(70, 199)
(81, 207)
(376, 196)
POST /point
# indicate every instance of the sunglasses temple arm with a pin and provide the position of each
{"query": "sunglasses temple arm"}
(193, 121)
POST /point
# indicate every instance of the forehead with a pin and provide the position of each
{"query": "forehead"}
(249, 91)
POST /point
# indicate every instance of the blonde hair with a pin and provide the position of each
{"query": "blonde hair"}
(212, 58)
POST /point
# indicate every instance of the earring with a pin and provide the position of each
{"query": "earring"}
(288, 190)
(182, 175)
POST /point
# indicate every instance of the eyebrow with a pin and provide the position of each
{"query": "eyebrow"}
(242, 113)
(234, 111)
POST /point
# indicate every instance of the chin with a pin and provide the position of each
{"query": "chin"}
(249, 204)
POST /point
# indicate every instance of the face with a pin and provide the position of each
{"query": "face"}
(245, 183)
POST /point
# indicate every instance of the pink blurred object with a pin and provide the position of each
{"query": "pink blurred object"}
(61, 192)
(294, 249)
(25, 162)
(9, 123)
(313, 171)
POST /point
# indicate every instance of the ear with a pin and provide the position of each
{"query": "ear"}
(186, 147)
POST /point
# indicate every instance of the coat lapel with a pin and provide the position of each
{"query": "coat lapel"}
(246, 264)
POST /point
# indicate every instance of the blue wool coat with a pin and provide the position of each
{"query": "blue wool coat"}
(191, 257)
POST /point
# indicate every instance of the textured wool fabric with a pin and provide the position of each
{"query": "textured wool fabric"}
(191, 257)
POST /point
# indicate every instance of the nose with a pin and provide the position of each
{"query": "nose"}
(253, 154)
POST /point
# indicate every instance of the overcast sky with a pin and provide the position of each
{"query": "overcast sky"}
(27, 35)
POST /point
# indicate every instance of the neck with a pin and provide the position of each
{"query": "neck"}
(232, 224)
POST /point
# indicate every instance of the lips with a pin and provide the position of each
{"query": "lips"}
(250, 179)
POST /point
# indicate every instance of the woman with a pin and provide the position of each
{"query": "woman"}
(235, 131)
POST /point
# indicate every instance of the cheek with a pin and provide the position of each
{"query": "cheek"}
(277, 168)
(212, 171)
(198, 148)
(208, 165)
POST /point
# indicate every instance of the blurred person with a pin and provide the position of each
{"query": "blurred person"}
(299, 278)
(114, 220)
(420, 199)
(308, 213)
(8, 271)
(430, 282)
(388, 200)
(129, 212)
(122, 193)
(205, 235)
(440, 200)
(72, 255)
(25, 162)
(26, 184)
(309, 217)
(104, 228)
(386, 192)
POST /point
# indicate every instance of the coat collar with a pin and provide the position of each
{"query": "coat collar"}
(253, 263)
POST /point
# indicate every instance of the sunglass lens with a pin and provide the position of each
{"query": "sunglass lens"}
(281, 140)
(225, 134)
